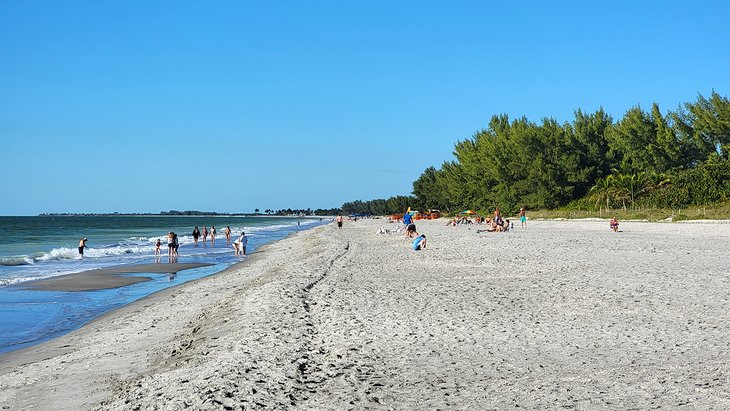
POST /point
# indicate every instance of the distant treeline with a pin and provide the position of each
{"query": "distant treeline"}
(281, 212)
(194, 212)
(644, 159)
(393, 205)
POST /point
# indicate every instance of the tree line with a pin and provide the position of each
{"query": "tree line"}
(647, 158)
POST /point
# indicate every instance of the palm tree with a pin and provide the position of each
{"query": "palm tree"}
(629, 186)
(655, 181)
(603, 191)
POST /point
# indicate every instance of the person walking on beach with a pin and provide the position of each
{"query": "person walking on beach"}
(82, 245)
(228, 234)
(196, 234)
(212, 235)
(523, 217)
(407, 219)
(339, 221)
(205, 234)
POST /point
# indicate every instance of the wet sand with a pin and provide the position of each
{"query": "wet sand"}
(559, 315)
(111, 277)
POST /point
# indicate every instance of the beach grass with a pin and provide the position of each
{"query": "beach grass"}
(718, 211)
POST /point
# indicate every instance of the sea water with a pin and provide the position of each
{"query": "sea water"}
(33, 248)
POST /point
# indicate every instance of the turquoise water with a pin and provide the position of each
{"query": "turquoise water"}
(41, 247)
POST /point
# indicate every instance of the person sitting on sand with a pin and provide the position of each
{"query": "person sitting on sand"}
(419, 243)
(614, 225)
(82, 245)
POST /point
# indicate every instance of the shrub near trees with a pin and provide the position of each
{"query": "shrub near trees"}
(643, 159)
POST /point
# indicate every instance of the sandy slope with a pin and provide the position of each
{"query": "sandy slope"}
(563, 314)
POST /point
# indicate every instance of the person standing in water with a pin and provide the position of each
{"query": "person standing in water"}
(82, 245)
(205, 234)
(228, 234)
(239, 246)
(196, 234)
(244, 243)
(176, 244)
(212, 235)
(170, 244)
(157, 247)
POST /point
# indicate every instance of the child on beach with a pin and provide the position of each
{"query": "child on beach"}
(523, 217)
(419, 243)
(411, 231)
(157, 247)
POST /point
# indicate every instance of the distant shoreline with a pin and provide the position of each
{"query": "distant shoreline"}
(169, 215)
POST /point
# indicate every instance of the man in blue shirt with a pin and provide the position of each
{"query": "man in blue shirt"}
(407, 219)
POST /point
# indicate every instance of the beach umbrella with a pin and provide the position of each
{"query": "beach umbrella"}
(467, 212)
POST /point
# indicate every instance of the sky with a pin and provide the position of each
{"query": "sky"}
(143, 106)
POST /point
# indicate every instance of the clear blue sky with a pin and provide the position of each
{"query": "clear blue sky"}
(229, 106)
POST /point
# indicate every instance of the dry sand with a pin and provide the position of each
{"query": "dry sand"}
(559, 315)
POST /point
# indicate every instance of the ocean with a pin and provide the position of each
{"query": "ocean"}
(33, 248)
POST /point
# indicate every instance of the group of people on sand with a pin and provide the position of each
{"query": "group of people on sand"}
(495, 224)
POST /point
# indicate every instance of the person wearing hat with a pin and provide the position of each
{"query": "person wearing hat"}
(82, 245)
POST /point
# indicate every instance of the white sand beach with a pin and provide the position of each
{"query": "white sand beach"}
(563, 314)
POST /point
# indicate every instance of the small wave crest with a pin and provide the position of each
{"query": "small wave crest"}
(16, 260)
